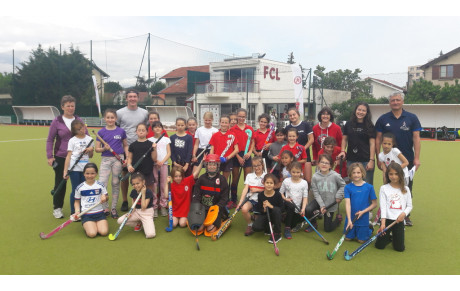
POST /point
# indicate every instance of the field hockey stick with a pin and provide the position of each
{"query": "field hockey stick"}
(272, 129)
(248, 142)
(311, 225)
(229, 143)
(139, 161)
(205, 149)
(71, 169)
(110, 148)
(274, 166)
(223, 228)
(368, 242)
(331, 256)
(277, 251)
(114, 237)
(45, 236)
(170, 212)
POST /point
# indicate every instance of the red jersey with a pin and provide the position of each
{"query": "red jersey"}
(181, 195)
(335, 153)
(193, 135)
(151, 134)
(241, 136)
(223, 143)
(320, 134)
(298, 151)
(260, 138)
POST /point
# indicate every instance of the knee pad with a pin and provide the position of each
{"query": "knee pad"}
(196, 216)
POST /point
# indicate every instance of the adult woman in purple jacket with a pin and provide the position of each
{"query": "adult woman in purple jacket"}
(56, 149)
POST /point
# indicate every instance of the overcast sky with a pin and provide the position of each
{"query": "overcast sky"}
(381, 46)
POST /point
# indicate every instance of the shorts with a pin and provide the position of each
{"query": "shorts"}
(227, 166)
(362, 233)
(247, 163)
(93, 217)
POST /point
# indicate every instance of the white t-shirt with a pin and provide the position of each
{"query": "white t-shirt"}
(255, 185)
(295, 191)
(68, 122)
(392, 156)
(77, 146)
(161, 147)
(204, 135)
(90, 195)
(393, 202)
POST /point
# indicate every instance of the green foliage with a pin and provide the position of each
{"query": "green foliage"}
(157, 87)
(425, 92)
(345, 80)
(112, 87)
(345, 109)
(5, 82)
(47, 76)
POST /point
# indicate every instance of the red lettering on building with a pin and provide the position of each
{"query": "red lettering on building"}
(272, 72)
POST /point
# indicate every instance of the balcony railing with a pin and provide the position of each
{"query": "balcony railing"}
(227, 87)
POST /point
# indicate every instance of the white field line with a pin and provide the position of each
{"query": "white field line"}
(16, 140)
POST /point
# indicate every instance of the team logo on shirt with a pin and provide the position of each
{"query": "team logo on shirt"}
(186, 188)
(387, 124)
(404, 126)
(217, 181)
(117, 136)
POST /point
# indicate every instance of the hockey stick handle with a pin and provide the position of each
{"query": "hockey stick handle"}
(229, 221)
(268, 138)
(202, 152)
(308, 221)
(110, 148)
(368, 242)
(127, 216)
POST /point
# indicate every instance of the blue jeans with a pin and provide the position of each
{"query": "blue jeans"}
(76, 178)
(369, 174)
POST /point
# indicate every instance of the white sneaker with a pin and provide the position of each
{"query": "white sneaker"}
(164, 211)
(155, 212)
(58, 213)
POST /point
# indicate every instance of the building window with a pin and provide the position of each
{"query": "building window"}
(447, 71)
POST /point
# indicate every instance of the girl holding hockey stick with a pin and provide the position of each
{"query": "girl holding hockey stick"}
(202, 137)
(76, 146)
(360, 199)
(223, 143)
(252, 185)
(327, 186)
(395, 204)
(287, 158)
(275, 150)
(294, 190)
(263, 138)
(163, 150)
(182, 147)
(181, 193)
(269, 198)
(293, 146)
(142, 216)
(113, 137)
(88, 194)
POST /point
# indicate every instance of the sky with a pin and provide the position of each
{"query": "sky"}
(381, 46)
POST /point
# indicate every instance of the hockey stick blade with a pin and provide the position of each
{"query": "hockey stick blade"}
(331, 256)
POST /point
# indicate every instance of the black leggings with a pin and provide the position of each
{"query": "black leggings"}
(261, 222)
(58, 198)
(292, 218)
(397, 232)
(329, 223)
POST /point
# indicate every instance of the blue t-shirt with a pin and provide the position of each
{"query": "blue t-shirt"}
(360, 198)
(403, 128)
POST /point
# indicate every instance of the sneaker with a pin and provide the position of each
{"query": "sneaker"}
(248, 231)
(407, 221)
(277, 238)
(124, 206)
(58, 213)
(299, 226)
(114, 213)
(287, 233)
(339, 217)
(155, 212)
(310, 229)
(163, 211)
(267, 233)
(138, 226)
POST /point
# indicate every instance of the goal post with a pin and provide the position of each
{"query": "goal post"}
(35, 115)
(168, 114)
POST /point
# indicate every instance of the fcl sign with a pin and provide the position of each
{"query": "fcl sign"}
(272, 72)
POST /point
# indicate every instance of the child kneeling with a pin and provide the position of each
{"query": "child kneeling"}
(143, 212)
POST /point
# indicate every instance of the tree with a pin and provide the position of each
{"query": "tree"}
(48, 75)
(112, 87)
(345, 80)
(425, 92)
(157, 87)
(345, 109)
(5, 82)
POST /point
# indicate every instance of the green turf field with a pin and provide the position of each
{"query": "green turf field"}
(26, 210)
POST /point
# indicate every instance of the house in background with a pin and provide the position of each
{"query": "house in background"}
(414, 73)
(382, 88)
(180, 84)
(443, 69)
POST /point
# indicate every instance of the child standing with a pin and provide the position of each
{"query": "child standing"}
(327, 187)
(115, 137)
(154, 116)
(295, 148)
(269, 198)
(223, 143)
(287, 158)
(181, 193)
(390, 153)
(395, 205)
(181, 147)
(191, 128)
(161, 165)
(76, 146)
(252, 185)
(142, 216)
(360, 199)
(294, 190)
(87, 194)
(275, 150)
(202, 137)
(330, 147)
(260, 138)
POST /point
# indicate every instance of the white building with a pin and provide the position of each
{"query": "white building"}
(256, 84)
(382, 88)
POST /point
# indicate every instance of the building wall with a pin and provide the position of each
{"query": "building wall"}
(379, 90)
(452, 60)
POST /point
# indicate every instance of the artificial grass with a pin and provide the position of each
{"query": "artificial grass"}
(26, 210)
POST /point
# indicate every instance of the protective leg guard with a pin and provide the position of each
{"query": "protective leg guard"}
(196, 217)
(213, 212)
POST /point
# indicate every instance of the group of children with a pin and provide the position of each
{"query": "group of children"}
(273, 165)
